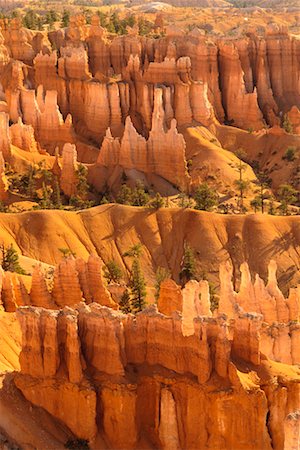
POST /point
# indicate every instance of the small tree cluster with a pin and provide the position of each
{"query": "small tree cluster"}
(205, 197)
(134, 197)
(10, 260)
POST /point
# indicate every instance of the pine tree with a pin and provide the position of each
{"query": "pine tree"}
(56, 194)
(66, 252)
(137, 281)
(45, 202)
(255, 203)
(157, 202)
(10, 260)
(139, 195)
(82, 184)
(138, 287)
(241, 184)
(264, 182)
(287, 195)
(125, 195)
(30, 189)
(205, 197)
(188, 265)
(286, 125)
(65, 20)
(271, 209)
(125, 302)
(113, 272)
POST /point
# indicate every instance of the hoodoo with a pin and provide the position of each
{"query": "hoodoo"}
(150, 225)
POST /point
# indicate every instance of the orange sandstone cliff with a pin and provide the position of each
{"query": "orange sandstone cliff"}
(150, 378)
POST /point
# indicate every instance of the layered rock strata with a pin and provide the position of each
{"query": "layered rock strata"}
(111, 365)
(191, 68)
(162, 154)
(74, 281)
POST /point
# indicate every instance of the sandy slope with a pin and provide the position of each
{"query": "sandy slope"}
(109, 231)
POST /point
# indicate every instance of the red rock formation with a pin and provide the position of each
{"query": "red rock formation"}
(184, 64)
(105, 342)
(170, 297)
(5, 142)
(16, 38)
(160, 154)
(68, 178)
(294, 118)
(22, 136)
(3, 180)
(45, 117)
(241, 106)
(73, 63)
(39, 293)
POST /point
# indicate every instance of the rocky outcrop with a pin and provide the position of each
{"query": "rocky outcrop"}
(294, 118)
(44, 115)
(68, 177)
(22, 136)
(16, 38)
(241, 106)
(74, 281)
(188, 67)
(173, 373)
(3, 180)
(256, 297)
(160, 154)
(73, 63)
(170, 297)
(5, 141)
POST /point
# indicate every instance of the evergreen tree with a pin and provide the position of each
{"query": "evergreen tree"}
(82, 184)
(139, 195)
(241, 184)
(287, 195)
(161, 275)
(255, 203)
(66, 252)
(125, 302)
(10, 260)
(157, 202)
(131, 20)
(30, 20)
(205, 197)
(290, 154)
(137, 281)
(65, 20)
(102, 17)
(125, 195)
(188, 265)
(31, 188)
(263, 182)
(286, 125)
(45, 202)
(138, 287)
(56, 194)
(113, 272)
(271, 209)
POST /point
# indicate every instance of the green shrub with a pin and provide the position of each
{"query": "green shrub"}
(290, 154)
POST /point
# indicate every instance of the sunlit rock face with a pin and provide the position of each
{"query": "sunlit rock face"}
(89, 355)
